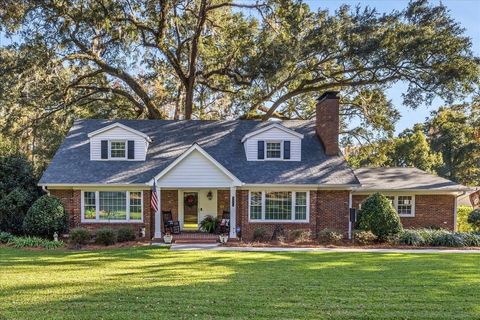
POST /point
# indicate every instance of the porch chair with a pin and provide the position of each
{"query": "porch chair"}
(224, 225)
(169, 224)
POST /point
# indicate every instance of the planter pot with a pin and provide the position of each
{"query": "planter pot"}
(167, 238)
(223, 238)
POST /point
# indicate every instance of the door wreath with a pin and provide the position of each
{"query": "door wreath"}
(190, 200)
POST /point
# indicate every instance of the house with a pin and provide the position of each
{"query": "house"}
(264, 174)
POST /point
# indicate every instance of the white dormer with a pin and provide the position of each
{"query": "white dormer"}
(118, 142)
(273, 143)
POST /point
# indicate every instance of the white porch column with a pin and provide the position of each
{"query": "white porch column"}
(158, 223)
(233, 212)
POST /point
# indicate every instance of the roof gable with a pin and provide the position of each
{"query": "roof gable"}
(274, 125)
(119, 125)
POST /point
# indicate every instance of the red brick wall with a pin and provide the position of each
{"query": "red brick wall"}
(328, 209)
(71, 199)
(430, 211)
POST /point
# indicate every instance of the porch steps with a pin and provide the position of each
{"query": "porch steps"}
(194, 238)
(195, 241)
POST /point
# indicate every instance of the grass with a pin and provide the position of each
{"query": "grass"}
(155, 283)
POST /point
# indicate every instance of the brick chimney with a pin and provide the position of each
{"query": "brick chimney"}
(327, 126)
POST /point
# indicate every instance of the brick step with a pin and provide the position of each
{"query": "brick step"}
(195, 241)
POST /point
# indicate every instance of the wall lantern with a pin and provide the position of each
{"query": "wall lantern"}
(209, 195)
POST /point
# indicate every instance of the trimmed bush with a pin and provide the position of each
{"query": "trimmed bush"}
(260, 234)
(447, 239)
(300, 235)
(34, 242)
(378, 216)
(364, 237)
(410, 237)
(329, 236)
(462, 219)
(79, 236)
(105, 236)
(472, 239)
(45, 217)
(474, 219)
(5, 237)
(125, 234)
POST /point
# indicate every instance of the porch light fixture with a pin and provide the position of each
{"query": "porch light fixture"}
(209, 195)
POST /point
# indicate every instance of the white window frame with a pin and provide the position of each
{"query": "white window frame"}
(110, 150)
(281, 149)
(294, 198)
(395, 204)
(97, 207)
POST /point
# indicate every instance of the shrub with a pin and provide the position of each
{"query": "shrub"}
(209, 224)
(260, 234)
(447, 239)
(5, 237)
(462, 219)
(25, 242)
(79, 236)
(410, 237)
(329, 236)
(300, 235)
(474, 219)
(125, 234)
(45, 217)
(378, 216)
(364, 237)
(105, 236)
(472, 239)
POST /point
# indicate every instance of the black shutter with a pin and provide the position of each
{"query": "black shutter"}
(286, 149)
(261, 149)
(104, 149)
(131, 149)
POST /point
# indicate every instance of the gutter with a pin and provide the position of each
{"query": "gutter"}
(44, 188)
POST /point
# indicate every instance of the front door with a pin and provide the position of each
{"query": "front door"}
(190, 210)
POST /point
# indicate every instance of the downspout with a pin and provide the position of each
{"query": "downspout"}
(350, 201)
(44, 188)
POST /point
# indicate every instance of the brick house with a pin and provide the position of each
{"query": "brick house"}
(262, 174)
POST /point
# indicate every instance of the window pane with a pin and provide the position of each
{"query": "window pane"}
(301, 206)
(113, 205)
(89, 205)
(392, 200)
(278, 206)
(117, 149)
(405, 205)
(135, 206)
(255, 205)
(273, 150)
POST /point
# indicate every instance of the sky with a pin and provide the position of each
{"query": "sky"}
(466, 12)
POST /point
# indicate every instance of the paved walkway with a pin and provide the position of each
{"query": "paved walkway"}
(217, 247)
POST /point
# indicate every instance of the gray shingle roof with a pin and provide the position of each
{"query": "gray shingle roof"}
(221, 139)
(403, 179)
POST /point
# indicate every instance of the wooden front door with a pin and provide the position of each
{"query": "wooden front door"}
(190, 210)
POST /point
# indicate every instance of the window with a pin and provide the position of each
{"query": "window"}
(405, 206)
(274, 150)
(392, 200)
(116, 206)
(117, 149)
(278, 206)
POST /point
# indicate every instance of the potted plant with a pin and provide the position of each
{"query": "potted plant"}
(223, 238)
(167, 238)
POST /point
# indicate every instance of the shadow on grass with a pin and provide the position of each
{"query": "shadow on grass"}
(154, 283)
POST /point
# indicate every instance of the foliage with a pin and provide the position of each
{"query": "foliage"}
(33, 242)
(125, 234)
(5, 237)
(462, 219)
(105, 236)
(45, 217)
(79, 236)
(18, 190)
(329, 236)
(378, 216)
(364, 237)
(448, 239)
(410, 237)
(260, 235)
(209, 224)
(474, 219)
(300, 235)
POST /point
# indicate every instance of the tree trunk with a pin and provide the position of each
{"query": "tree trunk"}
(189, 98)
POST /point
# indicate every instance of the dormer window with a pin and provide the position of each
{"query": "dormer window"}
(118, 150)
(274, 150)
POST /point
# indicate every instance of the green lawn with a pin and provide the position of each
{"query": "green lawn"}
(154, 283)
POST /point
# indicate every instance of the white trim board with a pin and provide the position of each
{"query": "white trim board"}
(273, 125)
(119, 125)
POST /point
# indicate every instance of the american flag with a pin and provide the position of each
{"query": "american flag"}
(154, 197)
